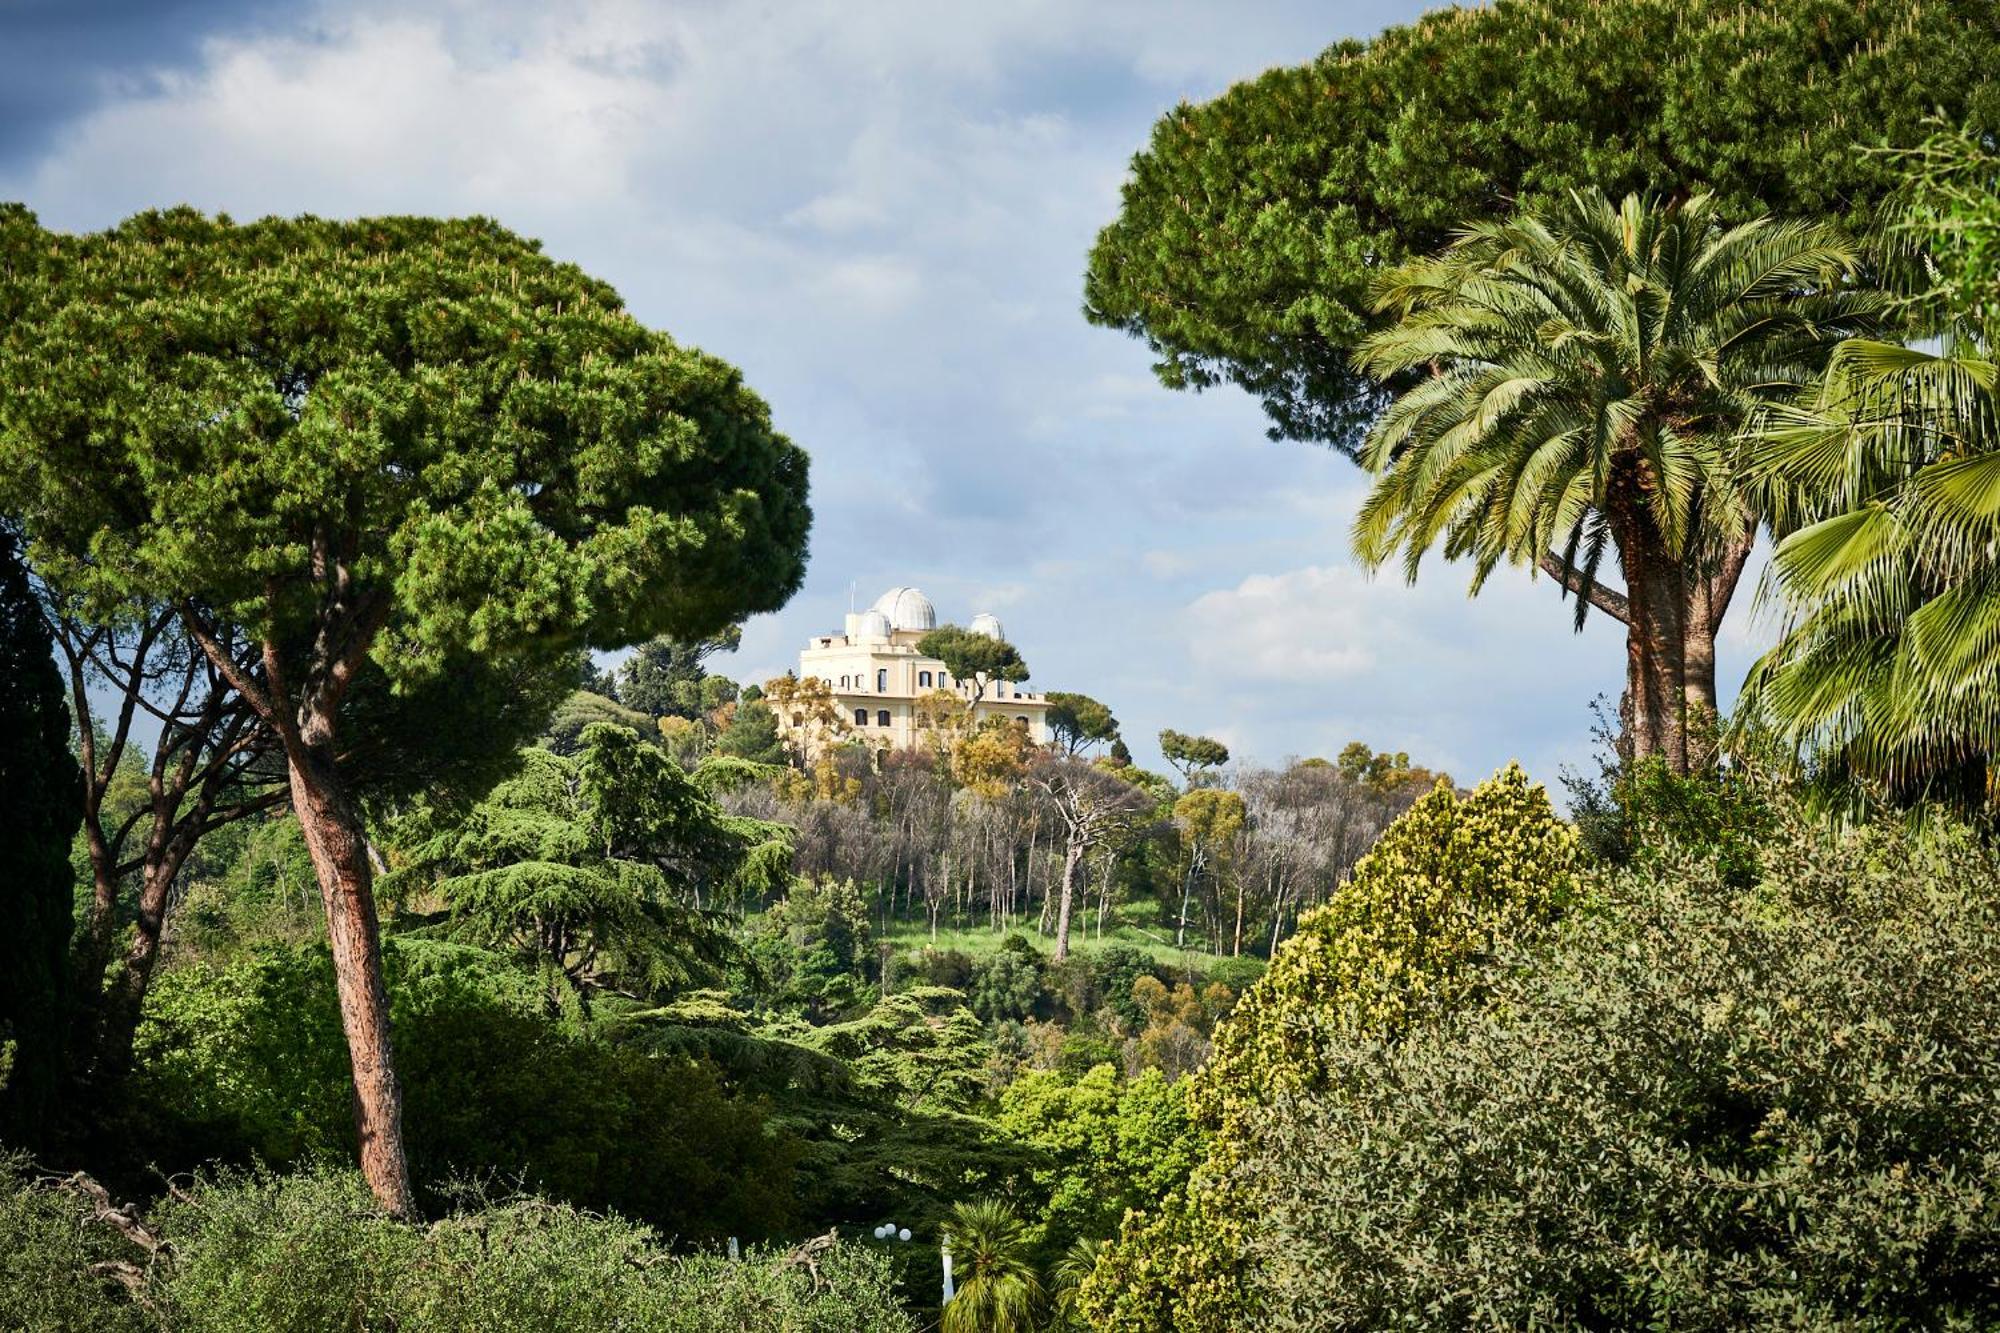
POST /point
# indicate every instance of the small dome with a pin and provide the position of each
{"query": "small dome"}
(988, 625)
(872, 625)
(907, 608)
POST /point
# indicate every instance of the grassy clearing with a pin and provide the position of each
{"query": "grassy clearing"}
(1136, 926)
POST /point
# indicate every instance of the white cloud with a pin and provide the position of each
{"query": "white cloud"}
(1302, 626)
(881, 212)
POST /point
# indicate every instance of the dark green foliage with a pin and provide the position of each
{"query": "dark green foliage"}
(582, 710)
(1192, 756)
(520, 467)
(1236, 973)
(664, 677)
(251, 1059)
(40, 812)
(951, 968)
(973, 658)
(812, 950)
(752, 733)
(1080, 722)
(588, 867)
(844, 1093)
(1251, 225)
(1704, 1107)
(1116, 970)
(1007, 984)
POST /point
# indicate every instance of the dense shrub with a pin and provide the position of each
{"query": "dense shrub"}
(262, 1253)
(249, 1062)
(1445, 884)
(45, 1259)
(1110, 1144)
(1705, 1107)
(1007, 984)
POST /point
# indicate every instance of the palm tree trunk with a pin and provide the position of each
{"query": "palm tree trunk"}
(1656, 588)
(1709, 595)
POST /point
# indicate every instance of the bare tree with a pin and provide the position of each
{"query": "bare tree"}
(1092, 806)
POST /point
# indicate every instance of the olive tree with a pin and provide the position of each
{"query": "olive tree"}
(379, 445)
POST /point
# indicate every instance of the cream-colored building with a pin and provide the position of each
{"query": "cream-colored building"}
(877, 675)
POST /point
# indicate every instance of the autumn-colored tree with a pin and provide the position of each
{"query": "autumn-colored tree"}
(806, 712)
(994, 758)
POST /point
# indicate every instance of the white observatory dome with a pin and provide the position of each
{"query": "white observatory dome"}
(872, 625)
(907, 608)
(988, 625)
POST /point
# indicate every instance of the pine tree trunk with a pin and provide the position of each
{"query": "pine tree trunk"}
(339, 850)
(1072, 859)
(126, 998)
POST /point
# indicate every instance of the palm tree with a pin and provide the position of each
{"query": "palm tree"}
(1578, 385)
(999, 1291)
(1889, 666)
(1069, 1273)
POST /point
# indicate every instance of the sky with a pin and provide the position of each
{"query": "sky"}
(880, 211)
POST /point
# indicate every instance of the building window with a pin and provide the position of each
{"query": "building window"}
(882, 681)
(1022, 720)
(881, 717)
(924, 678)
(860, 717)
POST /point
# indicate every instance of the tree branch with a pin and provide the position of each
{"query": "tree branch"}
(1608, 600)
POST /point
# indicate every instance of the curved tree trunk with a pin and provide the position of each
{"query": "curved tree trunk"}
(338, 846)
(125, 999)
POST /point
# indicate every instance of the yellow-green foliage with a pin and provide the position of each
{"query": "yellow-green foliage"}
(1440, 886)
(1443, 885)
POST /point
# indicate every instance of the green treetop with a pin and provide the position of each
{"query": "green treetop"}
(1252, 225)
(1192, 756)
(389, 443)
(972, 658)
(665, 677)
(1079, 721)
(589, 869)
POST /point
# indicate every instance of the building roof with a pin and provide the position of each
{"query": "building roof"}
(986, 624)
(907, 608)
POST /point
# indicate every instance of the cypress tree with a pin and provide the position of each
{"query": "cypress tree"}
(39, 816)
